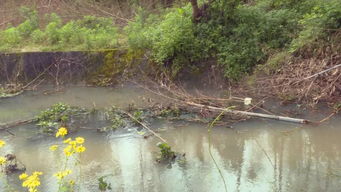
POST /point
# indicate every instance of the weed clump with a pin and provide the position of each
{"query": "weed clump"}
(166, 153)
(57, 115)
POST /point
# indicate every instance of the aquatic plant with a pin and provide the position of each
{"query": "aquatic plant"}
(116, 119)
(116, 122)
(138, 115)
(170, 112)
(58, 115)
(50, 118)
(103, 185)
(166, 153)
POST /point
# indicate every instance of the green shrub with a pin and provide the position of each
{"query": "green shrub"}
(170, 38)
(323, 19)
(31, 22)
(52, 30)
(37, 36)
(10, 36)
(136, 30)
(88, 33)
(173, 36)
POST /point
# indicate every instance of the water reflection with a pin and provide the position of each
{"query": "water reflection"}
(255, 156)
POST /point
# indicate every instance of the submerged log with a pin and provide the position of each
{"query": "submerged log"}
(14, 124)
(252, 114)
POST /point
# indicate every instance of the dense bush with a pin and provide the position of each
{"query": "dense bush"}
(238, 40)
(170, 38)
(321, 20)
(238, 36)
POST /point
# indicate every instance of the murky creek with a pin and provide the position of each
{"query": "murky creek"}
(254, 155)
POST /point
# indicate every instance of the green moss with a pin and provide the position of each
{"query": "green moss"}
(114, 65)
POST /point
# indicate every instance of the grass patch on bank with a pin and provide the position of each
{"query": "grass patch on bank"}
(89, 33)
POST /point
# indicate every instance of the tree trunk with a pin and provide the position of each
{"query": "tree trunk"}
(196, 10)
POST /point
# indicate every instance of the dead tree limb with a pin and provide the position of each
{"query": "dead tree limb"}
(319, 73)
(14, 124)
(145, 126)
(252, 114)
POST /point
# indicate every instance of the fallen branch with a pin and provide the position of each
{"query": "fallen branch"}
(319, 73)
(14, 124)
(145, 126)
(41, 74)
(262, 115)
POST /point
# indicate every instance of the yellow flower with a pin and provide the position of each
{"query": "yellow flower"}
(67, 140)
(53, 147)
(80, 149)
(2, 160)
(80, 140)
(31, 182)
(23, 176)
(68, 150)
(73, 143)
(61, 132)
(2, 143)
(60, 175)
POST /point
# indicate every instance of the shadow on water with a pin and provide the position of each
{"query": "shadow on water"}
(256, 155)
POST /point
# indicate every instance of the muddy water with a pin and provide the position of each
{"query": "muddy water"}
(256, 155)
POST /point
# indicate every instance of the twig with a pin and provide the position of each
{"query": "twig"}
(329, 116)
(210, 126)
(145, 126)
(41, 74)
(319, 73)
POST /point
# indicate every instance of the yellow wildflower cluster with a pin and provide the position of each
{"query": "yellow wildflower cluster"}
(31, 182)
(2, 143)
(74, 146)
(60, 175)
(2, 161)
(61, 132)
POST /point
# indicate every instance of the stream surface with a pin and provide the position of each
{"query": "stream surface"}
(254, 155)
